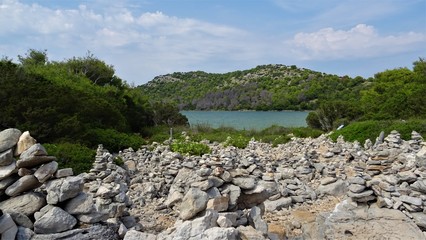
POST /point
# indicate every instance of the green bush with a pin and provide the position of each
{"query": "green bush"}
(113, 140)
(362, 131)
(238, 141)
(71, 155)
(189, 147)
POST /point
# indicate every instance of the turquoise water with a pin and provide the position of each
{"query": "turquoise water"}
(247, 119)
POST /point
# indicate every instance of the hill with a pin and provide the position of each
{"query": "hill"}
(265, 87)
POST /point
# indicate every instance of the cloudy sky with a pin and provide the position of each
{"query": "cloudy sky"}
(146, 38)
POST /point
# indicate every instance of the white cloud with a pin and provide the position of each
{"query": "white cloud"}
(150, 41)
(361, 41)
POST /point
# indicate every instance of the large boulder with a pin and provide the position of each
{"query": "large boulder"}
(23, 184)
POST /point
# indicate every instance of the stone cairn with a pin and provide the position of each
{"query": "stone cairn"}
(40, 201)
(228, 194)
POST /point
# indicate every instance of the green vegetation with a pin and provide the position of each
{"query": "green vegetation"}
(228, 136)
(189, 147)
(361, 131)
(267, 87)
(71, 155)
(77, 103)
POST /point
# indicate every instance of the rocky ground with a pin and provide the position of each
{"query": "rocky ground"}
(305, 189)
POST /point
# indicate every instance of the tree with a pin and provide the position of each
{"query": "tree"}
(33, 57)
(94, 69)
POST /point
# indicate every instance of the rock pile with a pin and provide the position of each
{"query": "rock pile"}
(260, 192)
(40, 201)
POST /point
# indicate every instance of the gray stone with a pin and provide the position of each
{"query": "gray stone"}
(63, 189)
(8, 170)
(356, 180)
(337, 188)
(136, 235)
(363, 222)
(81, 204)
(421, 157)
(244, 182)
(24, 233)
(233, 192)
(361, 194)
(411, 200)
(256, 221)
(6, 182)
(93, 217)
(55, 220)
(25, 141)
(65, 172)
(93, 232)
(9, 138)
(26, 204)
(419, 186)
(219, 233)
(328, 180)
(6, 158)
(21, 219)
(46, 171)
(193, 202)
(272, 206)
(34, 161)
(23, 184)
(356, 188)
(8, 228)
(35, 150)
(420, 219)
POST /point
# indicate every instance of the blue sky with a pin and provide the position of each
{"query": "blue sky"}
(146, 38)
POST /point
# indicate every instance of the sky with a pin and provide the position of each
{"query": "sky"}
(146, 38)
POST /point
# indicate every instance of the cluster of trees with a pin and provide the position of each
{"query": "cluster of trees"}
(266, 87)
(78, 100)
(397, 94)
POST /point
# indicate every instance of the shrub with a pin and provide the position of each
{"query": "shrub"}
(71, 155)
(189, 147)
(238, 141)
(362, 131)
(113, 140)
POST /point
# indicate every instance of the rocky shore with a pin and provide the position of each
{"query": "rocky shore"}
(305, 189)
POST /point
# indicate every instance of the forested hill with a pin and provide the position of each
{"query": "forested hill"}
(266, 87)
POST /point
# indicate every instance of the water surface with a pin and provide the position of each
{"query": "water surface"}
(247, 119)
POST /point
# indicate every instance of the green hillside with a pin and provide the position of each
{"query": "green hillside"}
(266, 87)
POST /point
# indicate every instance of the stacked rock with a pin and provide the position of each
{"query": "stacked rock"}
(41, 200)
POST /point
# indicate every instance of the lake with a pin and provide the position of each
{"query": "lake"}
(257, 120)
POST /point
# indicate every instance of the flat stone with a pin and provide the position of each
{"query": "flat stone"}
(46, 171)
(8, 170)
(356, 188)
(6, 158)
(337, 188)
(276, 205)
(26, 204)
(244, 182)
(23, 184)
(328, 180)
(34, 161)
(136, 235)
(249, 233)
(6, 182)
(64, 172)
(420, 219)
(419, 186)
(361, 194)
(9, 138)
(411, 200)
